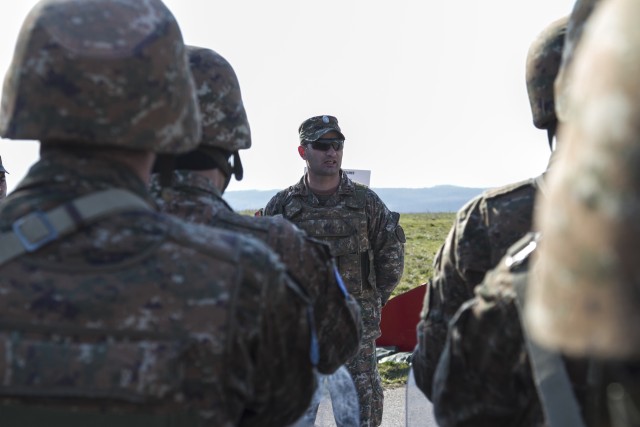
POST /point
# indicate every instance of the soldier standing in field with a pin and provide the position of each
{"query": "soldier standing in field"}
(196, 180)
(489, 224)
(111, 313)
(365, 238)
(3, 181)
(491, 372)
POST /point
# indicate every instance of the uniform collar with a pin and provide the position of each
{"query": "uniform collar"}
(346, 187)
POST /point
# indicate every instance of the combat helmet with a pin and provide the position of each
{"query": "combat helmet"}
(543, 63)
(103, 73)
(224, 119)
(584, 296)
(580, 13)
(225, 127)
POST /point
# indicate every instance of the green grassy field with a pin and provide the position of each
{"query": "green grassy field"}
(425, 234)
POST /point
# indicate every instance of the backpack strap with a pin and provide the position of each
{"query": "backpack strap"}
(37, 229)
(549, 372)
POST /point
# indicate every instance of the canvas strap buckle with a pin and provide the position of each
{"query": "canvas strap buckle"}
(34, 230)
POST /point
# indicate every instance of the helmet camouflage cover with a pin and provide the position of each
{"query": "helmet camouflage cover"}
(543, 63)
(224, 119)
(581, 12)
(101, 72)
(585, 296)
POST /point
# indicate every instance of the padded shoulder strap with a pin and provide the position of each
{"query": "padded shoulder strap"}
(36, 229)
(549, 372)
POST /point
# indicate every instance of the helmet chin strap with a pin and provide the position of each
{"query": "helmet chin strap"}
(238, 171)
(164, 166)
(551, 132)
(200, 159)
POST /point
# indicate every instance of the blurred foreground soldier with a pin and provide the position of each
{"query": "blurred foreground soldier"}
(365, 237)
(491, 372)
(584, 300)
(193, 191)
(489, 224)
(3, 181)
(112, 314)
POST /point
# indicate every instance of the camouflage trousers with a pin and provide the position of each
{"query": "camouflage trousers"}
(363, 367)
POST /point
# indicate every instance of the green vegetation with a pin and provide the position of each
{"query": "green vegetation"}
(393, 374)
(425, 234)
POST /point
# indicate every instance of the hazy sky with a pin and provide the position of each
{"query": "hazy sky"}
(426, 92)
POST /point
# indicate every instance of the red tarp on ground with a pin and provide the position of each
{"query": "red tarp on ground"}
(399, 319)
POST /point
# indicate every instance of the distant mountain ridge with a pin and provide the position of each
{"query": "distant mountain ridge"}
(441, 198)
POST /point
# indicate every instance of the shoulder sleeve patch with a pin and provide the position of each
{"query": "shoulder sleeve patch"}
(400, 234)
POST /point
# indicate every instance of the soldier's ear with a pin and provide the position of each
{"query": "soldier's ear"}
(302, 152)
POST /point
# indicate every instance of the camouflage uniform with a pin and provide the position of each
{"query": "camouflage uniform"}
(482, 232)
(195, 199)
(3, 181)
(111, 313)
(367, 241)
(489, 224)
(484, 375)
(583, 300)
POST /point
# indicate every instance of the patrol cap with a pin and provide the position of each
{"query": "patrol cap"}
(2, 169)
(584, 296)
(313, 128)
(102, 73)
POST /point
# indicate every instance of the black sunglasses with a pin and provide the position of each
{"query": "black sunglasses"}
(323, 144)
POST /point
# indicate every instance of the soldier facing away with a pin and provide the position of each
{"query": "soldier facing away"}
(3, 181)
(365, 238)
(491, 372)
(488, 224)
(584, 299)
(111, 313)
(195, 182)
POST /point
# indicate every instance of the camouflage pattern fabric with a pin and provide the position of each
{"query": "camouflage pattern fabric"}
(313, 128)
(543, 62)
(224, 119)
(195, 199)
(481, 234)
(582, 10)
(589, 293)
(369, 247)
(484, 376)
(126, 56)
(143, 314)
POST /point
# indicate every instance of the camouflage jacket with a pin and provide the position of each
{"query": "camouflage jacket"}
(383, 235)
(142, 318)
(484, 377)
(195, 199)
(365, 237)
(481, 234)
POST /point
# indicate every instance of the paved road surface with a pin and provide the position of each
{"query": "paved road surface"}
(420, 413)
